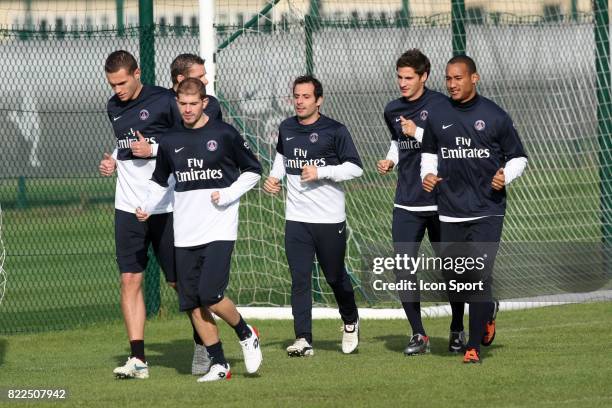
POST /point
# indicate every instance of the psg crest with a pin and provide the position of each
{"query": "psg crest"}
(479, 125)
(424, 114)
(313, 137)
(143, 114)
(211, 145)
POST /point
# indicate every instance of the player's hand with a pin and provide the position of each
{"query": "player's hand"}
(430, 181)
(408, 127)
(141, 148)
(107, 165)
(309, 173)
(384, 166)
(272, 185)
(141, 215)
(499, 180)
(215, 196)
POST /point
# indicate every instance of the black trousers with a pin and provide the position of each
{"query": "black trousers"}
(408, 230)
(476, 239)
(328, 242)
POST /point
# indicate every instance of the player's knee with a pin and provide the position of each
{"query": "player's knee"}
(196, 315)
(131, 280)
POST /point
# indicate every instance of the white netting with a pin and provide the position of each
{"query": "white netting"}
(522, 52)
(536, 59)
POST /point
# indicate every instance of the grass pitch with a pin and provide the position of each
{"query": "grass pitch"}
(555, 356)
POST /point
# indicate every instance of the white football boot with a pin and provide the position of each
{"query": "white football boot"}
(133, 368)
(216, 373)
(350, 337)
(300, 348)
(251, 351)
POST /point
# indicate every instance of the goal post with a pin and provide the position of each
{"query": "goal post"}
(208, 41)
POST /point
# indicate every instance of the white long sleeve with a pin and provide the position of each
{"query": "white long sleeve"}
(429, 164)
(418, 134)
(154, 148)
(278, 167)
(393, 153)
(342, 172)
(243, 183)
(514, 169)
(156, 195)
(115, 153)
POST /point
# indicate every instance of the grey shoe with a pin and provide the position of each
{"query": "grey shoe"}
(201, 361)
(418, 344)
(456, 342)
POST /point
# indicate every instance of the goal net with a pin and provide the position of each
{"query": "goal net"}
(540, 60)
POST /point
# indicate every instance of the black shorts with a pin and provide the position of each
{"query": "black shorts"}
(132, 239)
(203, 273)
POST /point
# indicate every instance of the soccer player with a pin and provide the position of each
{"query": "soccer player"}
(192, 66)
(471, 152)
(415, 210)
(316, 153)
(213, 167)
(136, 110)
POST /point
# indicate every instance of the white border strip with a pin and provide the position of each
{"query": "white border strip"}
(284, 313)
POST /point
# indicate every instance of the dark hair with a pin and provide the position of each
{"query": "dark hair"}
(309, 79)
(471, 65)
(416, 60)
(191, 86)
(182, 64)
(118, 60)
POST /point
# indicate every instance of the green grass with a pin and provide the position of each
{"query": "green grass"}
(550, 357)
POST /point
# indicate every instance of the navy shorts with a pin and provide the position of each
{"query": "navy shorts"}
(203, 273)
(132, 239)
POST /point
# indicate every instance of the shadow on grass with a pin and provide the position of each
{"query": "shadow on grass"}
(327, 345)
(177, 354)
(439, 345)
